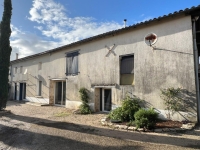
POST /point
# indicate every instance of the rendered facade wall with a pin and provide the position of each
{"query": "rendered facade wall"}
(170, 65)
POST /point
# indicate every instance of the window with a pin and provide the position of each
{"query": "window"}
(72, 63)
(40, 88)
(21, 69)
(40, 66)
(127, 70)
(15, 69)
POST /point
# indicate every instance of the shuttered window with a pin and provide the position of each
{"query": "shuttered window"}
(127, 64)
(127, 70)
(72, 63)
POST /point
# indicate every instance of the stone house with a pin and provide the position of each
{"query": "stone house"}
(115, 64)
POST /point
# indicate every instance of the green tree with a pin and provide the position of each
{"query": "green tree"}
(5, 51)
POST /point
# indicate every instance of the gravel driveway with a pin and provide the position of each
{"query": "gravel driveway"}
(48, 127)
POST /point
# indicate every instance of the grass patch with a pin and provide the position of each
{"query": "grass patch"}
(62, 114)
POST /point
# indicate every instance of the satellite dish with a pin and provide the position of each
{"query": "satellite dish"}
(150, 39)
(25, 72)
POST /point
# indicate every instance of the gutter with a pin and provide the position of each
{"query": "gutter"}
(196, 64)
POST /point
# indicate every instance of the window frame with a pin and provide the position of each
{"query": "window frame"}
(21, 69)
(39, 88)
(129, 73)
(73, 55)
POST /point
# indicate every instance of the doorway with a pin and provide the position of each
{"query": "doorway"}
(22, 91)
(106, 100)
(60, 93)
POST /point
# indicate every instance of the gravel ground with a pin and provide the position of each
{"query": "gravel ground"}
(31, 127)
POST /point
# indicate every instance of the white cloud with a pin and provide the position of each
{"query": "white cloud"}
(54, 23)
(56, 27)
(25, 43)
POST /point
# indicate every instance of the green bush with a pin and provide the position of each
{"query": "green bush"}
(146, 118)
(116, 114)
(129, 107)
(126, 111)
(84, 107)
(84, 95)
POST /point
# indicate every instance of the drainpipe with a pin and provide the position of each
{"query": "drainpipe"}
(196, 65)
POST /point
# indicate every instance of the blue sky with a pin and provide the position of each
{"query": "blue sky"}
(39, 25)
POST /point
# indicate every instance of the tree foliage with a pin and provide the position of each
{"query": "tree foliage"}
(172, 99)
(84, 107)
(5, 51)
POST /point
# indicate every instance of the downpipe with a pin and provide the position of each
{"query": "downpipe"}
(196, 65)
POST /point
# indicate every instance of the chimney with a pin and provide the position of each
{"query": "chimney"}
(125, 23)
(16, 56)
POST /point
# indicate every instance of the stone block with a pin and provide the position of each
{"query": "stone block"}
(158, 130)
(131, 128)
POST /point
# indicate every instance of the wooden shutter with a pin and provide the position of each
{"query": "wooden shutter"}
(127, 65)
(72, 63)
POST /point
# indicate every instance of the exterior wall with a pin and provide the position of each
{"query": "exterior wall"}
(170, 65)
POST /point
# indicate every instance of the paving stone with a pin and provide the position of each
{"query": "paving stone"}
(165, 129)
(103, 120)
(123, 127)
(158, 130)
(110, 124)
(116, 126)
(131, 128)
(188, 126)
(140, 129)
(172, 129)
(104, 123)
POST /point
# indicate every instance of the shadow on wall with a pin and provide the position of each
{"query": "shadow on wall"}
(189, 103)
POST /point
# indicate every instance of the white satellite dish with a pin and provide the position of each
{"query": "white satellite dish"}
(150, 39)
(25, 72)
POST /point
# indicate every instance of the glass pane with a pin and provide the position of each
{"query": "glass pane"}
(107, 99)
(58, 93)
(40, 88)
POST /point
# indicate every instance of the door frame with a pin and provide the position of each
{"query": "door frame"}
(61, 93)
(22, 92)
(15, 95)
(103, 100)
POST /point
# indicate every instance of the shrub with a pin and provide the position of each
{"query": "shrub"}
(126, 111)
(84, 95)
(129, 107)
(116, 114)
(84, 107)
(172, 99)
(146, 118)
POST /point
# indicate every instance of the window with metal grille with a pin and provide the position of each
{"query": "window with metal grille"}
(127, 70)
(72, 63)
